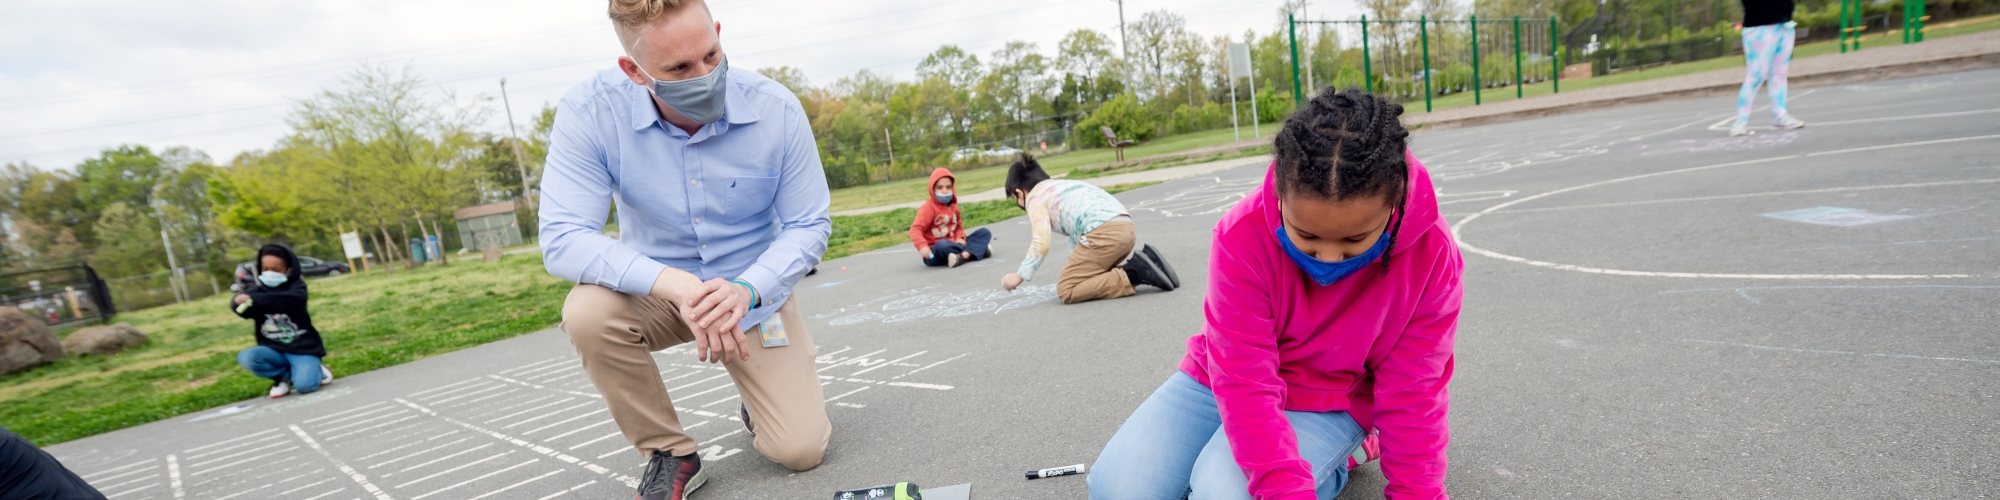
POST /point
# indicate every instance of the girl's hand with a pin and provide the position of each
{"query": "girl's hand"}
(1010, 281)
(926, 251)
(239, 300)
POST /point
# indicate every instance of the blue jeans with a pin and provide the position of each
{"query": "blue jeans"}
(1173, 447)
(266, 362)
(975, 243)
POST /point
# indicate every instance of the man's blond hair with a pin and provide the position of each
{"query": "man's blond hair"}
(628, 15)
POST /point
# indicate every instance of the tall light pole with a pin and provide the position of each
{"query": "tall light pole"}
(1124, 47)
(515, 139)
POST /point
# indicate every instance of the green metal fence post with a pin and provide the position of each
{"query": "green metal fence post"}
(1555, 60)
(1517, 56)
(1922, 19)
(1907, 18)
(1367, 66)
(1424, 34)
(1298, 92)
(1477, 83)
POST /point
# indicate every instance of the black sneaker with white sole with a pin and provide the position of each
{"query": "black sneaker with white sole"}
(668, 477)
(1161, 264)
(744, 410)
(1140, 270)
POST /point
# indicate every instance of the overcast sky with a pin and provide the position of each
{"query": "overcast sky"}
(77, 76)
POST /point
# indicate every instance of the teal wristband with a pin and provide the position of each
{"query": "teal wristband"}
(755, 299)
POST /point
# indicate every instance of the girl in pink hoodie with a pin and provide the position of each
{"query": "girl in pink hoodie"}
(1332, 303)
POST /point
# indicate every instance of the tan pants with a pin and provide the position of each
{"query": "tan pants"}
(615, 335)
(1092, 272)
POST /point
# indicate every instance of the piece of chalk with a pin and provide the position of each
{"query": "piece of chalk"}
(1056, 471)
(242, 307)
(843, 268)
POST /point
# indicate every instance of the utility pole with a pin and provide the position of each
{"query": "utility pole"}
(173, 268)
(527, 196)
(1124, 47)
(892, 146)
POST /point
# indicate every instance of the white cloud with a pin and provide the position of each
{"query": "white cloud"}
(218, 75)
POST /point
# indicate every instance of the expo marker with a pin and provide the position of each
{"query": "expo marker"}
(1056, 471)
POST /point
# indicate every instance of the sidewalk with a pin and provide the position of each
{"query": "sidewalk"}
(1945, 55)
(1159, 175)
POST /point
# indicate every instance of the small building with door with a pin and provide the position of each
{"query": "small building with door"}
(492, 225)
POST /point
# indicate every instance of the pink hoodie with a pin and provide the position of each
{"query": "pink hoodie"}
(1378, 346)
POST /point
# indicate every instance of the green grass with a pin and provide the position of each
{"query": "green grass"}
(368, 322)
(986, 178)
(853, 234)
(1802, 51)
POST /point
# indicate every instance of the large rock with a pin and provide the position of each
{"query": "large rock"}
(104, 340)
(25, 342)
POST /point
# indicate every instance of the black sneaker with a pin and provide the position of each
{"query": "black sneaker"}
(668, 477)
(744, 410)
(1140, 270)
(1161, 264)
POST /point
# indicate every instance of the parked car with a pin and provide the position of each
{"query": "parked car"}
(1002, 152)
(246, 273)
(971, 153)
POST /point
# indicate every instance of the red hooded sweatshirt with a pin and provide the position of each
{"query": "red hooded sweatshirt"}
(936, 221)
(1376, 345)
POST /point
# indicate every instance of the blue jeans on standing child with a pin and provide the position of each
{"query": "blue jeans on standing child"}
(302, 370)
(1173, 447)
(975, 242)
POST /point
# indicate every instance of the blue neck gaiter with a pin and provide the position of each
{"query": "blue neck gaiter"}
(1327, 273)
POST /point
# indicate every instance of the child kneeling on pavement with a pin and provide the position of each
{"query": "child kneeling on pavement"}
(1102, 263)
(939, 232)
(288, 348)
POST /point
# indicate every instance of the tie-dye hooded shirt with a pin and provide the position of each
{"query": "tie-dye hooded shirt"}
(1072, 208)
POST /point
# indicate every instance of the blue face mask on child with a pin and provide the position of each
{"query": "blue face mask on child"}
(944, 199)
(1327, 273)
(271, 279)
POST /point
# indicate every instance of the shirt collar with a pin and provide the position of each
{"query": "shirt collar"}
(736, 111)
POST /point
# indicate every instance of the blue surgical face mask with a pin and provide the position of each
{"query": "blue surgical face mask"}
(942, 198)
(1327, 273)
(271, 278)
(700, 98)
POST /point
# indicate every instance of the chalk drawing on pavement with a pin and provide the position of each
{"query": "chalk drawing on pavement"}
(1214, 196)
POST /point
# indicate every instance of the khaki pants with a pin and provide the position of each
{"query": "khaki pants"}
(1092, 272)
(615, 334)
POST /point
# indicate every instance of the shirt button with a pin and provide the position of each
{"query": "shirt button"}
(704, 246)
(697, 220)
(692, 182)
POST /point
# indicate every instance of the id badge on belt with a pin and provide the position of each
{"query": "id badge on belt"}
(773, 331)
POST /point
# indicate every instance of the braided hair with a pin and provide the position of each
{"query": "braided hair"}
(1345, 145)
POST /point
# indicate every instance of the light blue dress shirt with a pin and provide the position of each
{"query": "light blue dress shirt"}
(741, 198)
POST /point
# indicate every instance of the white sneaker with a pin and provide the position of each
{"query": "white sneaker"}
(951, 260)
(326, 375)
(1741, 128)
(1788, 123)
(280, 389)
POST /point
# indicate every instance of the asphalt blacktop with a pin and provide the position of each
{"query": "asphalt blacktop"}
(1652, 309)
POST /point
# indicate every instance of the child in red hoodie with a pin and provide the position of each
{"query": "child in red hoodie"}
(938, 233)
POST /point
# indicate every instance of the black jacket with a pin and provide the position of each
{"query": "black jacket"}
(280, 312)
(1766, 12)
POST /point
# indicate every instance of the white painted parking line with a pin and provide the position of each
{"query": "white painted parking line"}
(535, 365)
(549, 414)
(351, 473)
(434, 475)
(118, 468)
(845, 394)
(544, 450)
(552, 366)
(516, 405)
(1848, 353)
(614, 452)
(594, 441)
(372, 427)
(384, 452)
(504, 417)
(863, 357)
(294, 490)
(418, 454)
(442, 387)
(712, 389)
(230, 440)
(337, 413)
(516, 485)
(362, 414)
(174, 476)
(927, 367)
(131, 491)
(399, 412)
(572, 488)
(565, 421)
(127, 482)
(443, 458)
(691, 384)
(723, 400)
(237, 446)
(545, 376)
(324, 495)
(471, 393)
(237, 454)
(891, 362)
(540, 386)
(126, 473)
(246, 460)
(241, 493)
(511, 390)
(577, 430)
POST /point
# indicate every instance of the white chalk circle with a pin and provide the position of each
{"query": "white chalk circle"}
(855, 318)
(913, 314)
(914, 301)
(965, 309)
